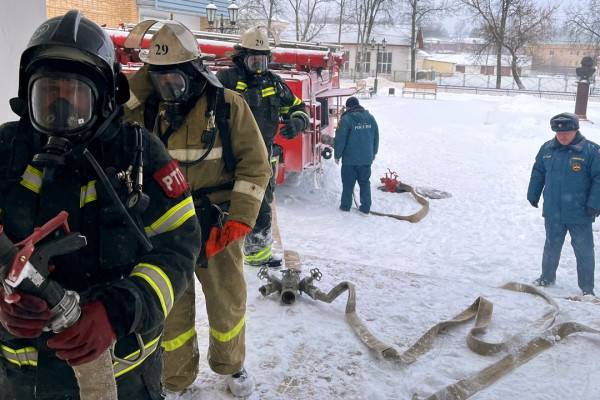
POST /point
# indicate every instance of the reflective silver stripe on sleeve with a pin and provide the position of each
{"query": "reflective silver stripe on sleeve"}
(173, 218)
(27, 356)
(250, 189)
(159, 282)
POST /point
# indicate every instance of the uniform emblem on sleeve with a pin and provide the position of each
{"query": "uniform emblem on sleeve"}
(576, 167)
(171, 180)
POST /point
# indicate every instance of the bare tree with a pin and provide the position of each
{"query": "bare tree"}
(342, 8)
(366, 13)
(419, 11)
(252, 10)
(493, 15)
(307, 18)
(584, 22)
(526, 25)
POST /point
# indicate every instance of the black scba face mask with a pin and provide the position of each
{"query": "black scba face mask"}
(62, 104)
(171, 85)
(256, 63)
(178, 87)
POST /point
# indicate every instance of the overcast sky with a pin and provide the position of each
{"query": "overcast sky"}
(451, 22)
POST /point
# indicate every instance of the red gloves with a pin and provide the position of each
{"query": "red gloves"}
(87, 339)
(23, 315)
(221, 237)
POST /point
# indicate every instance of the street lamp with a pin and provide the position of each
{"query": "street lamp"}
(377, 45)
(232, 11)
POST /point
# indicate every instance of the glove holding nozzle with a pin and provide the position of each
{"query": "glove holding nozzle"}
(85, 341)
(23, 315)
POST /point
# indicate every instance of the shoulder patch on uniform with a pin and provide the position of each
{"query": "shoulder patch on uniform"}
(171, 180)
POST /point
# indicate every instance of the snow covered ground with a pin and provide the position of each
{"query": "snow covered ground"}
(411, 276)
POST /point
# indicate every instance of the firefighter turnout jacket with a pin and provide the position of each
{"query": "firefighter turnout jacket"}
(238, 188)
(268, 96)
(138, 288)
(244, 185)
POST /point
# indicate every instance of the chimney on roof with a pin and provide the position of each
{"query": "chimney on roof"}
(420, 41)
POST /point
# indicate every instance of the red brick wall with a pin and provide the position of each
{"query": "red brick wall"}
(109, 12)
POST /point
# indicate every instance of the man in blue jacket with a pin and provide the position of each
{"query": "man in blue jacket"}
(356, 144)
(567, 169)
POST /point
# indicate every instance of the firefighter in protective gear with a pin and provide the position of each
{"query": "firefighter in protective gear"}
(215, 138)
(270, 100)
(70, 100)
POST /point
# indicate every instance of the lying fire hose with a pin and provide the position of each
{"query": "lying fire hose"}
(391, 183)
(412, 218)
(480, 310)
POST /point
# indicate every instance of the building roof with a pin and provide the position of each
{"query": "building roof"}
(195, 7)
(398, 35)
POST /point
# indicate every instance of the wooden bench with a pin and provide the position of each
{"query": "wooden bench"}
(420, 88)
(362, 90)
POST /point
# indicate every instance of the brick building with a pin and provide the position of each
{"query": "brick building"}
(103, 12)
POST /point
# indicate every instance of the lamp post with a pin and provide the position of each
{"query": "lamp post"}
(211, 14)
(377, 46)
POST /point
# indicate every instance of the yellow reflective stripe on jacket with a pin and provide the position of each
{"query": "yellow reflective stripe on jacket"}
(122, 368)
(261, 255)
(268, 91)
(229, 335)
(21, 357)
(250, 189)
(88, 194)
(179, 341)
(159, 282)
(173, 218)
(284, 110)
(28, 356)
(241, 85)
(32, 179)
(297, 101)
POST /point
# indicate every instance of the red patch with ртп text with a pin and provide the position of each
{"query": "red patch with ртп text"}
(171, 180)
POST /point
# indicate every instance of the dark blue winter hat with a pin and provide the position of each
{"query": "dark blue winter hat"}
(352, 102)
(564, 122)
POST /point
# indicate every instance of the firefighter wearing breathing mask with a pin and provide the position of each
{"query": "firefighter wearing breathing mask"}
(271, 101)
(69, 101)
(212, 132)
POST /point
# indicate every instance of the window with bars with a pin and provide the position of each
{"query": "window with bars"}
(384, 62)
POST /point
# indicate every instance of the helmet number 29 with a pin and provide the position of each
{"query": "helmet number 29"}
(161, 49)
(259, 42)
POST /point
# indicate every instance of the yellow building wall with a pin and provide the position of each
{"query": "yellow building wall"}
(562, 54)
(103, 12)
(440, 67)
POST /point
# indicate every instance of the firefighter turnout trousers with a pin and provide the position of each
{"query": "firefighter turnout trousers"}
(258, 246)
(224, 288)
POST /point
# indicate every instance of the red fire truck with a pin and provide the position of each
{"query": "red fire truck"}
(311, 71)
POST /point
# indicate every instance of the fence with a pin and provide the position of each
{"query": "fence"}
(538, 83)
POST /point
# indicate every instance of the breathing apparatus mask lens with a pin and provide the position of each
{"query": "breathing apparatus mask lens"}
(171, 85)
(256, 63)
(62, 104)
